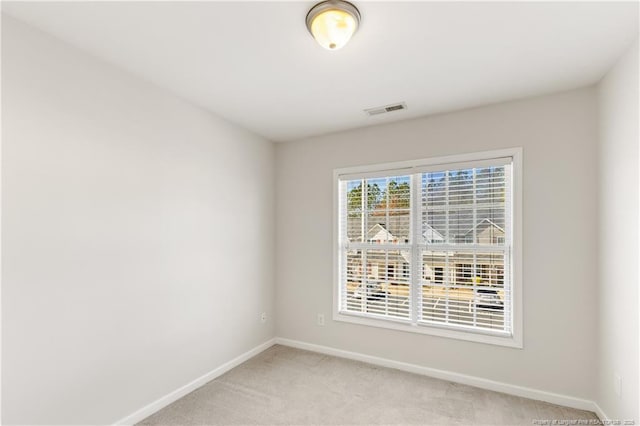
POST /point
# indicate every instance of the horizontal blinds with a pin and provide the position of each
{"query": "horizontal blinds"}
(459, 230)
(419, 167)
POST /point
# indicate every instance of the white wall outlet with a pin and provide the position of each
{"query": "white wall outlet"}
(320, 319)
(617, 384)
(263, 317)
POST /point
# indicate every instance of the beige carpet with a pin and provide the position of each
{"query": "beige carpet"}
(285, 386)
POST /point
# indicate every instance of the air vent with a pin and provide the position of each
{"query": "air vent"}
(385, 109)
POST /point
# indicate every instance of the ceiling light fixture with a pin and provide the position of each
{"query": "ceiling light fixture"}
(332, 23)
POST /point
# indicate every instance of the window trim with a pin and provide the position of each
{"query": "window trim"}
(515, 340)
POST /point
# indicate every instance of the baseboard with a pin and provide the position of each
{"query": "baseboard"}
(554, 398)
(162, 402)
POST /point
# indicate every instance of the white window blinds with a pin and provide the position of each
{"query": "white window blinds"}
(428, 245)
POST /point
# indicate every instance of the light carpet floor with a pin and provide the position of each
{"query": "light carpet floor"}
(285, 386)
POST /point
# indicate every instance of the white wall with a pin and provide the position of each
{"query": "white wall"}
(137, 236)
(618, 249)
(558, 134)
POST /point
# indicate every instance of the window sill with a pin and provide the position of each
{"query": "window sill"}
(440, 331)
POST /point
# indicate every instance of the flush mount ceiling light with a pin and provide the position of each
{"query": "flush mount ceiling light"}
(332, 23)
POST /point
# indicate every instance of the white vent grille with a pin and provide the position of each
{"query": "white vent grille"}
(386, 109)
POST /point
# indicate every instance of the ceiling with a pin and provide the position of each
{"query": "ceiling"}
(255, 64)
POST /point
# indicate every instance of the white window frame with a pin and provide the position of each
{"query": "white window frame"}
(515, 339)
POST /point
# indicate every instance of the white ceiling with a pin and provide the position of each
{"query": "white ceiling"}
(255, 64)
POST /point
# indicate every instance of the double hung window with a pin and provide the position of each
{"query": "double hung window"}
(429, 246)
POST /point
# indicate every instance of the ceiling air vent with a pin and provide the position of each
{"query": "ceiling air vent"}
(385, 109)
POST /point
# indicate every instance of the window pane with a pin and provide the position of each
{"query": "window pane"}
(354, 227)
(460, 226)
(386, 217)
(434, 226)
(464, 288)
(490, 185)
(434, 189)
(393, 228)
(378, 282)
(460, 188)
(355, 208)
(465, 206)
(490, 227)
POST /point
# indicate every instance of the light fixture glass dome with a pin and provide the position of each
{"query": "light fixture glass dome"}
(332, 23)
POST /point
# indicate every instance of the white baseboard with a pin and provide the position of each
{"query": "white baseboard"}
(554, 398)
(162, 402)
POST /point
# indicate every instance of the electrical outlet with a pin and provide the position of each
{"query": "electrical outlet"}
(617, 384)
(263, 317)
(321, 319)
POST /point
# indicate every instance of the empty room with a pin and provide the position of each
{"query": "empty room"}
(320, 213)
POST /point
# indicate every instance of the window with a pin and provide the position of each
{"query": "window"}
(432, 246)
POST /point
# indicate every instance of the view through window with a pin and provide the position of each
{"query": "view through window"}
(430, 247)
